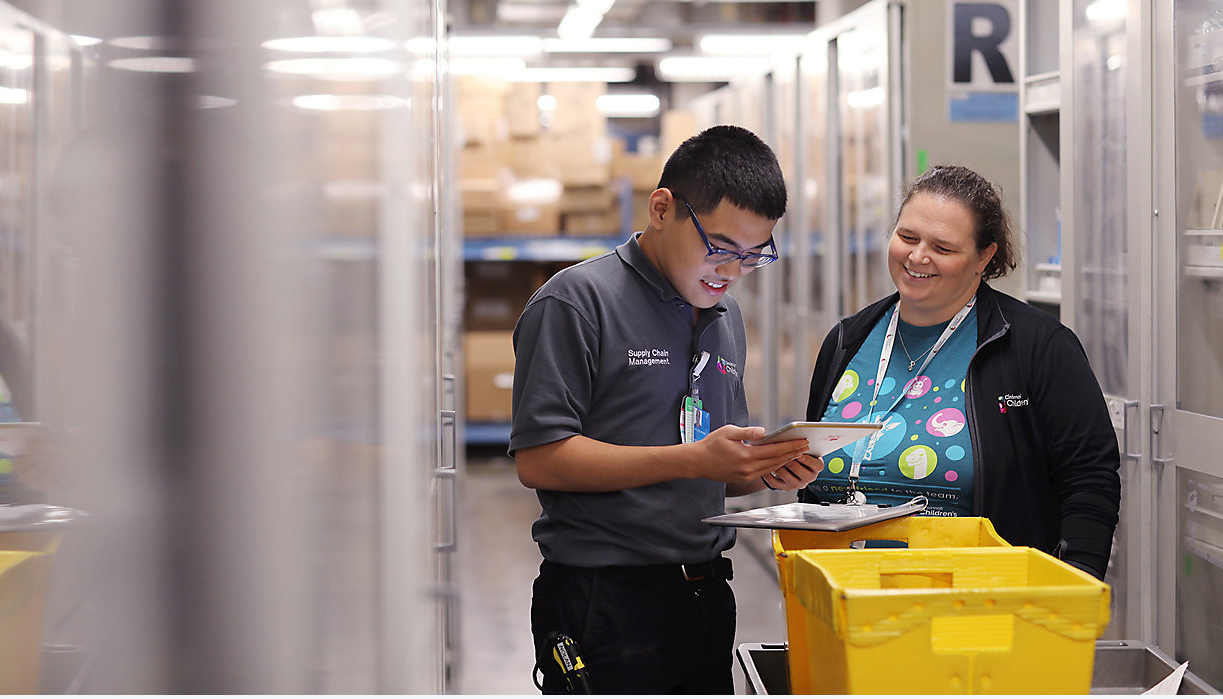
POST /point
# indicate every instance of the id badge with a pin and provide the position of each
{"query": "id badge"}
(693, 421)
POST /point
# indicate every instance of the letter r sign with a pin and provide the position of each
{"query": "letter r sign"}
(982, 60)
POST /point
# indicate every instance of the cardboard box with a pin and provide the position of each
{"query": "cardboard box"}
(536, 218)
(479, 194)
(478, 224)
(597, 199)
(591, 223)
(678, 125)
(577, 113)
(532, 157)
(489, 357)
(522, 109)
(642, 171)
(582, 161)
(640, 210)
(498, 291)
(483, 161)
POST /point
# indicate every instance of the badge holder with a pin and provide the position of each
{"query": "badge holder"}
(693, 420)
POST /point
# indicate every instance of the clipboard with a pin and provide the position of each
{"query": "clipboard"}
(826, 517)
(822, 437)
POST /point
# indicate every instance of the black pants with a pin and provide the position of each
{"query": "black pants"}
(640, 630)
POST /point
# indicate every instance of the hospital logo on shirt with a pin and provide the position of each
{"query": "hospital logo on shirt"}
(1011, 400)
(728, 367)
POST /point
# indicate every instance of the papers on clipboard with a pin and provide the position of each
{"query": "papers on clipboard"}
(828, 517)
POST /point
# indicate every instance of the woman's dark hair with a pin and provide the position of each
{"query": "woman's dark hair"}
(983, 199)
(726, 162)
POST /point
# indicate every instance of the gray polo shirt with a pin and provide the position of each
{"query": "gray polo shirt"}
(604, 349)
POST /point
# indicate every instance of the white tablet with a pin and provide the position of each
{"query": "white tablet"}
(822, 437)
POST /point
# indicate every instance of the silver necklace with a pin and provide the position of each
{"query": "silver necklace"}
(912, 362)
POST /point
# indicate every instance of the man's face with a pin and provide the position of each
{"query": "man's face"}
(681, 255)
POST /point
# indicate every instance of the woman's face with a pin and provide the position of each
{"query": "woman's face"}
(933, 258)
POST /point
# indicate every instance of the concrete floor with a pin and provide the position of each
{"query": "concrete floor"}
(497, 560)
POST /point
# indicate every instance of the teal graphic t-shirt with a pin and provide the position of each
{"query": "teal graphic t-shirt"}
(924, 448)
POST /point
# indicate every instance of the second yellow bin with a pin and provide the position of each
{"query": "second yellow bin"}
(998, 620)
(912, 532)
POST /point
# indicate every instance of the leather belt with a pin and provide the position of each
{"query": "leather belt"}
(717, 569)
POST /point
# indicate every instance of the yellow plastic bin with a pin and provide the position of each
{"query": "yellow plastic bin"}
(996, 620)
(913, 532)
(25, 577)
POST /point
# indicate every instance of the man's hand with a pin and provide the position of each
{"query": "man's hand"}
(729, 460)
(796, 474)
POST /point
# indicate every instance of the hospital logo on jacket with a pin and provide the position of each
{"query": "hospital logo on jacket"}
(1010, 400)
(727, 367)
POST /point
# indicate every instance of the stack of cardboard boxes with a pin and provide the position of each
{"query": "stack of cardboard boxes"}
(522, 172)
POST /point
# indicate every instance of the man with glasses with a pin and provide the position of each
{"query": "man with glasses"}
(630, 422)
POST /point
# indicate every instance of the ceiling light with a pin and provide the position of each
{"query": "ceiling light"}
(82, 40)
(330, 44)
(628, 105)
(15, 61)
(155, 64)
(487, 66)
(12, 95)
(595, 74)
(495, 45)
(422, 46)
(607, 44)
(1105, 11)
(337, 21)
(865, 98)
(578, 23)
(751, 44)
(710, 68)
(363, 103)
(337, 68)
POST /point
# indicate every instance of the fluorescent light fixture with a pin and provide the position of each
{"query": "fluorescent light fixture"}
(15, 61)
(145, 43)
(578, 23)
(337, 21)
(155, 64)
(592, 74)
(628, 105)
(865, 98)
(608, 44)
(422, 46)
(489, 46)
(1105, 11)
(751, 44)
(330, 44)
(710, 68)
(337, 68)
(214, 101)
(357, 103)
(504, 67)
(82, 40)
(12, 95)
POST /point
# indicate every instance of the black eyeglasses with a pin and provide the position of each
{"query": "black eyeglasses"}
(718, 256)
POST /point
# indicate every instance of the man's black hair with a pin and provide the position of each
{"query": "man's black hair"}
(726, 162)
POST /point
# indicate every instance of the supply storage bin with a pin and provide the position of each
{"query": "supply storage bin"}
(997, 620)
(910, 532)
(24, 581)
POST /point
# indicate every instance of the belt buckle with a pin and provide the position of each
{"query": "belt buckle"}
(695, 574)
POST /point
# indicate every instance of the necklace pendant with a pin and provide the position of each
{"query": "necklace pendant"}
(912, 364)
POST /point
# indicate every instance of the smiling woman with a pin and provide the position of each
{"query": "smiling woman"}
(991, 409)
